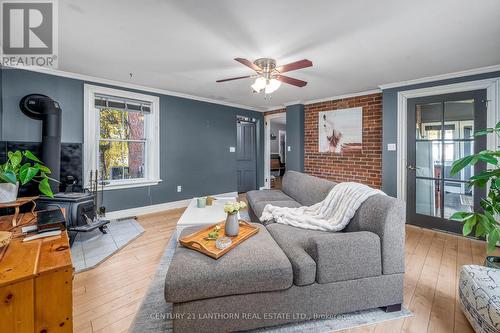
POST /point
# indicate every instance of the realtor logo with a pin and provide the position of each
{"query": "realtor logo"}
(29, 33)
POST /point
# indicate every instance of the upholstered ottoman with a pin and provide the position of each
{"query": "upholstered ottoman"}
(256, 265)
(479, 291)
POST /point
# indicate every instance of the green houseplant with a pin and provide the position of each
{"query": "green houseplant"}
(486, 220)
(14, 173)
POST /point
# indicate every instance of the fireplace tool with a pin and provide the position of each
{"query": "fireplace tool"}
(97, 220)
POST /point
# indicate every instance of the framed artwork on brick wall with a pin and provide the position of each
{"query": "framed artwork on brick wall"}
(340, 130)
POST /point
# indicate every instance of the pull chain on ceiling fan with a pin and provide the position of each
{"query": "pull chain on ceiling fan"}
(268, 76)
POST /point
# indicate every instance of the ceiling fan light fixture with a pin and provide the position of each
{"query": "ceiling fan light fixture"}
(259, 84)
(268, 76)
(272, 86)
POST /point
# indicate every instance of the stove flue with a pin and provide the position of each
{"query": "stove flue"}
(44, 108)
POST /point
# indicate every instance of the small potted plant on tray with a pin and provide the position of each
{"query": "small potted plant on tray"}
(486, 220)
(14, 173)
(232, 226)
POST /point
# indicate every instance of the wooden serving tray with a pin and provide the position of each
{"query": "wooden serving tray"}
(197, 241)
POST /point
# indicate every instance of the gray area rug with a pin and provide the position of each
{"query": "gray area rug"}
(91, 248)
(154, 312)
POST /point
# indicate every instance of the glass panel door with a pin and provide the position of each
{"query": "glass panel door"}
(440, 131)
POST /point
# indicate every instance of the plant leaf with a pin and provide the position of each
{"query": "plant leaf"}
(462, 163)
(487, 157)
(461, 216)
(483, 132)
(469, 224)
(44, 187)
(27, 174)
(480, 229)
(43, 168)
(29, 155)
(15, 158)
(492, 240)
(8, 177)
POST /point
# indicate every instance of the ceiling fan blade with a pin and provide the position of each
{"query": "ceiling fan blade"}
(248, 63)
(294, 66)
(291, 80)
(234, 78)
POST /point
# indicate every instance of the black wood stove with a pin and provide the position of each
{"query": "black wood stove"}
(80, 208)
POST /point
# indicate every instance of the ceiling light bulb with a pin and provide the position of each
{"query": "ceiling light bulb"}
(255, 87)
(272, 86)
(259, 84)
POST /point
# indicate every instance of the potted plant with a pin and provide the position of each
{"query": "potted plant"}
(14, 173)
(486, 220)
(232, 226)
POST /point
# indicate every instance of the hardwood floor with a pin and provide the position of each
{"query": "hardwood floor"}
(107, 297)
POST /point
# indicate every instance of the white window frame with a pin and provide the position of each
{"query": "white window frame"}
(91, 137)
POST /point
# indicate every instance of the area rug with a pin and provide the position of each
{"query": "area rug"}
(91, 248)
(154, 312)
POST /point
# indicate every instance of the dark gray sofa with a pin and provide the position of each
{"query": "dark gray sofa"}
(286, 274)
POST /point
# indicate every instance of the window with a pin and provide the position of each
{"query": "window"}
(121, 137)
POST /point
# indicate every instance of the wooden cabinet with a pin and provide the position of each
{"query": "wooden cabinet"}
(36, 285)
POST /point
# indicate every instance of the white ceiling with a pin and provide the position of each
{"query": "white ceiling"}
(184, 46)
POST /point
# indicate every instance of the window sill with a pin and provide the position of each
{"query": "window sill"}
(139, 183)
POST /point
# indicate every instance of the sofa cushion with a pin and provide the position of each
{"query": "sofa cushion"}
(256, 265)
(259, 206)
(306, 189)
(256, 196)
(294, 242)
(345, 256)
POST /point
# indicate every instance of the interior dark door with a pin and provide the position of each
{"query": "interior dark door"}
(440, 131)
(246, 156)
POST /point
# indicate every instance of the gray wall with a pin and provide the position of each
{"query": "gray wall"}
(295, 137)
(389, 129)
(194, 138)
(1, 101)
(275, 128)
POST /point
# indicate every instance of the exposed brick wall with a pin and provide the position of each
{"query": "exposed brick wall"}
(362, 166)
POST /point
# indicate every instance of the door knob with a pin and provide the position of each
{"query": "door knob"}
(411, 167)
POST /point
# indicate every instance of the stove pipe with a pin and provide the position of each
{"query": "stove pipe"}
(44, 108)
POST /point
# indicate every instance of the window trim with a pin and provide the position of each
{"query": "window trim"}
(90, 137)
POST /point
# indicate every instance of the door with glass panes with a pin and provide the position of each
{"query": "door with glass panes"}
(440, 130)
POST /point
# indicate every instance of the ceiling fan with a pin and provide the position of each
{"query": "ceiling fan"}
(268, 76)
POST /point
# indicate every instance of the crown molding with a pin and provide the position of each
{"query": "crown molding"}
(325, 99)
(292, 103)
(335, 98)
(469, 72)
(120, 84)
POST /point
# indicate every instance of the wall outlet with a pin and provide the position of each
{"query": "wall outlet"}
(391, 146)
(232, 149)
(179, 188)
(289, 148)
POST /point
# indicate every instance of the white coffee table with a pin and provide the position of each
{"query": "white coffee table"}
(194, 216)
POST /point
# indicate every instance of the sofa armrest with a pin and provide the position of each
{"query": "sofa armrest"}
(385, 216)
(345, 256)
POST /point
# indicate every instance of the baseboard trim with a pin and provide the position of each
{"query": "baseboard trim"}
(134, 212)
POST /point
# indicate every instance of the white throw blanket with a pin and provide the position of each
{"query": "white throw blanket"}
(331, 214)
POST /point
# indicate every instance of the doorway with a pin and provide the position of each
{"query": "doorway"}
(246, 154)
(275, 149)
(440, 131)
